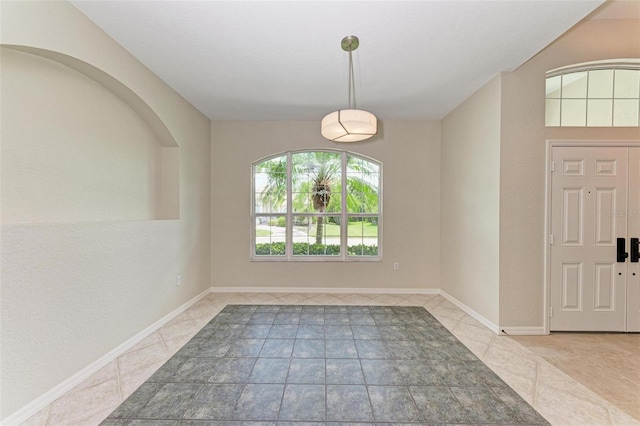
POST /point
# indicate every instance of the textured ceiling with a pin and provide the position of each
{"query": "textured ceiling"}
(282, 60)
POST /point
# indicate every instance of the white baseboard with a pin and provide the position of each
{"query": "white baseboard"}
(48, 397)
(523, 331)
(484, 321)
(327, 290)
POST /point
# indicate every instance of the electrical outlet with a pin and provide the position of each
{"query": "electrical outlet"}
(179, 280)
(396, 266)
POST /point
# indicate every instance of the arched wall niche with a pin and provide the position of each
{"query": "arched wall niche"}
(80, 146)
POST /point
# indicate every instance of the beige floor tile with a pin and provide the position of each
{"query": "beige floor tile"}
(77, 407)
(133, 360)
(38, 419)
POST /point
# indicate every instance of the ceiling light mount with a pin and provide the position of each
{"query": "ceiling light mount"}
(352, 124)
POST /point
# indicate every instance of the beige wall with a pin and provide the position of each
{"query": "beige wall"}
(410, 153)
(522, 162)
(470, 201)
(73, 291)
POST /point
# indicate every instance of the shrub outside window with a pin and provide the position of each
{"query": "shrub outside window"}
(316, 205)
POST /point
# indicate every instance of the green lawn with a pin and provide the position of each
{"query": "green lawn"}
(357, 229)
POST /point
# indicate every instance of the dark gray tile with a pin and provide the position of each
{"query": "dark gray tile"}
(309, 348)
(277, 348)
(310, 331)
(262, 318)
(287, 318)
(302, 424)
(283, 331)
(290, 309)
(311, 318)
(269, 370)
(381, 372)
(361, 319)
(256, 331)
(438, 405)
(386, 319)
(419, 372)
(373, 349)
(519, 406)
(405, 349)
(138, 399)
(196, 370)
(307, 370)
(365, 332)
(215, 401)
(393, 404)
(337, 331)
(358, 309)
(340, 318)
(344, 372)
(170, 402)
(239, 318)
(348, 403)
(393, 332)
(206, 348)
(335, 310)
(341, 349)
(259, 402)
(228, 330)
(482, 406)
(246, 348)
(167, 372)
(268, 308)
(312, 309)
(303, 403)
(232, 370)
(465, 373)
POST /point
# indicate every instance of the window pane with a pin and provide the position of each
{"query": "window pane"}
(553, 87)
(601, 84)
(270, 235)
(316, 236)
(599, 112)
(552, 112)
(627, 84)
(574, 85)
(363, 183)
(574, 112)
(270, 185)
(625, 112)
(362, 236)
(315, 177)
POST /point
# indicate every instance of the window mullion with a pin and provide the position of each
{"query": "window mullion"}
(344, 225)
(289, 215)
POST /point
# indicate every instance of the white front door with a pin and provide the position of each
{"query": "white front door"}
(593, 201)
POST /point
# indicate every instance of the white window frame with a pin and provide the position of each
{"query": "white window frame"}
(613, 64)
(289, 215)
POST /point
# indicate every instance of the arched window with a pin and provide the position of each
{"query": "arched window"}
(316, 205)
(603, 94)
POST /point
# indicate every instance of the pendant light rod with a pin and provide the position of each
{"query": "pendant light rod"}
(349, 44)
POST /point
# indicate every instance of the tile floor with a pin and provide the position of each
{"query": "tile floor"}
(317, 363)
(554, 394)
(606, 363)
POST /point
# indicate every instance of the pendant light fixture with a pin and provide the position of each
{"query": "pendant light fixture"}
(352, 124)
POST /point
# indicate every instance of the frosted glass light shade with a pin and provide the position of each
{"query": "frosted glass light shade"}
(349, 125)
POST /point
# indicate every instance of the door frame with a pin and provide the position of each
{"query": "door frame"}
(550, 144)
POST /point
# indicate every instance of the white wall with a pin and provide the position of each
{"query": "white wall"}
(522, 164)
(72, 150)
(73, 291)
(470, 201)
(410, 153)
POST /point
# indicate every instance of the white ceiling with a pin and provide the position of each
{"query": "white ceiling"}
(282, 60)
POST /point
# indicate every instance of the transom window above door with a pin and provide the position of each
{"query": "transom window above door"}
(316, 205)
(605, 94)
